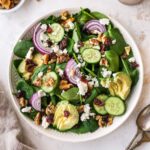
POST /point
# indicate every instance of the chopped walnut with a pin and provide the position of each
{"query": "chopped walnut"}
(50, 82)
(50, 109)
(94, 41)
(62, 58)
(65, 15)
(46, 59)
(37, 118)
(64, 85)
(104, 62)
(37, 82)
(104, 121)
(80, 108)
(22, 102)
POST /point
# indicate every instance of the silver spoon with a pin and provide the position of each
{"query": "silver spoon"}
(143, 132)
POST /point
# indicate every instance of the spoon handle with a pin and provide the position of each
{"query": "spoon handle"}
(137, 140)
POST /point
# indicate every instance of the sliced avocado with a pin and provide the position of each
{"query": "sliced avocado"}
(22, 70)
(121, 85)
(38, 59)
(64, 122)
(71, 94)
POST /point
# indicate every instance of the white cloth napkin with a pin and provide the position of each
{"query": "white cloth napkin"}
(10, 134)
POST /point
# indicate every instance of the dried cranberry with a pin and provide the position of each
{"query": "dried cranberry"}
(83, 79)
(49, 43)
(102, 48)
(53, 56)
(66, 113)
(124, 55)
(30, 65)
(134, 65)
(98, 102)
(50, 118)
(105, 118)
(107, 41)
(20, 94)
(87, 95)
(49, 29)
(63, 43)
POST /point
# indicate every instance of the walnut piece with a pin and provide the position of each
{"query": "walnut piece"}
(22, 102)
(50, 109)
(37, 118)
(64, 85)
(62, 58)
(46, 58)
(50, 82)
(103, 122)
(64, 15)
(37, 82)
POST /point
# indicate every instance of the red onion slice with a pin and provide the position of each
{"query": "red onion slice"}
(94, 25)
(35, 101)
(37, 42)
(72, 71)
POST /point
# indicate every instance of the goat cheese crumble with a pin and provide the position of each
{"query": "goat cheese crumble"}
(43, 27)
(60, 72)
(40, 74)
(104, 21)
(30, 52)
(44, 124)
(83, 87)
(131, 60)
(76, 48)
(86, 114)
(106, 73)
(26, 109)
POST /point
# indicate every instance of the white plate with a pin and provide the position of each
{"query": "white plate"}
(118, 121)
(6, 11)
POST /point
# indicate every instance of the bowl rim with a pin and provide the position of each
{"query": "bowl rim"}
(6, 11)
(88, 138)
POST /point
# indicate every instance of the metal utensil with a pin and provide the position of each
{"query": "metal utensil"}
(143, 132)
(131, 2)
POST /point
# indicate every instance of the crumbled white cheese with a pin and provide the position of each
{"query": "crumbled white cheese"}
(43, 27)
(106, 73)
(80, 58)
(71, 25)
(114, 74)
(86, 114)
(45, 124)
(88, 77)
(26, 109)
(55, 48)
(83, 87)
(30, 52)
(131, 60)
(41, 93)
(45, 44)
(114, 41)
(40, 74)
(79, 65)
(76, 48)
(43, 37)
(60, 72)
(65, 51)
(95, 81)
(104, 21)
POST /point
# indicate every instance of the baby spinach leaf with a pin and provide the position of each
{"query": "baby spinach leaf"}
(76, 33)
(113, 60)
(115, 34)
(51, 19)
(70, 46)
(135, 76)
(25, 87)
(98, 15)
(22, 48)
(86, 126)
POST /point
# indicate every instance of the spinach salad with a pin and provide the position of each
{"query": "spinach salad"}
(75, 73)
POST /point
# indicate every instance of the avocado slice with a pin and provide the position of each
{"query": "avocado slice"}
(121, 85)
(65, 122)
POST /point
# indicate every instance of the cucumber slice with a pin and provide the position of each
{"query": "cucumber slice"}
(91, 56)
(45, 79)
(100, 109)
(57, 34)
(115, 106)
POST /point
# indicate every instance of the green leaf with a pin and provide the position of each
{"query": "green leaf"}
(135, 76)
(22, 48)
(113, 60)
(98, 15)
(86, 126)
(76, 33)
(70, 46)
(51, 19)
(25, 87)
(71, 94)
(115, 34)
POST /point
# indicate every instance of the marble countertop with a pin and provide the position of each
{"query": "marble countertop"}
(136, 19)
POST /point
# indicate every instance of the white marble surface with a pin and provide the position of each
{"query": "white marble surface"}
(137, 21)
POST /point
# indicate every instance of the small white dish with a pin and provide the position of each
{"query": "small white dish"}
(72, 137)
(18, 6)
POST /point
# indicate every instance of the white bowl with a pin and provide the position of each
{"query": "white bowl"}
(6, 11)
(118, 121)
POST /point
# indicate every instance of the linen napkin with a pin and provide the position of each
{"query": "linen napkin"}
(10, 130)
